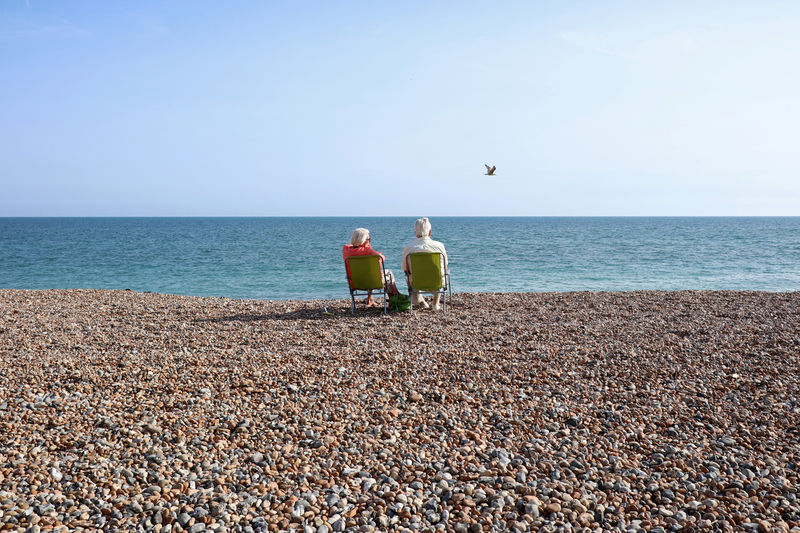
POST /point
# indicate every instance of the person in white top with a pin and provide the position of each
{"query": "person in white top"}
(423, 243)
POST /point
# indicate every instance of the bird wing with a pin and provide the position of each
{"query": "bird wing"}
(487, 166)
(493, 168)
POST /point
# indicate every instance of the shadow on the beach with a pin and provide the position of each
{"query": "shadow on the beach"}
(330, 312)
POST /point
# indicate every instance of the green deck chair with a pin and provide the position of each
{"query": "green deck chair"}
(428, 276)
(366, 274)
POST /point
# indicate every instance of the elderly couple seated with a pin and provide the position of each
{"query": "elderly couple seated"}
(424, 264)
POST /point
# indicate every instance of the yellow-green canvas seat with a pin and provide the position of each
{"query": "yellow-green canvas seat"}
(366, 274)
(428, 276)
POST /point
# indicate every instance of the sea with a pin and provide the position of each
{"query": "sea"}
(279, 258)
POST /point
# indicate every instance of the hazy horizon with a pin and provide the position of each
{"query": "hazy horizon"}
(433, 216)
(356, 109)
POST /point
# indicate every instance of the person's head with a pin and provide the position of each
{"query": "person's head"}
(359, 237)
(422, 227)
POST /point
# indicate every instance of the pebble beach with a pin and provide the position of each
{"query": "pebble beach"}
(585, 411)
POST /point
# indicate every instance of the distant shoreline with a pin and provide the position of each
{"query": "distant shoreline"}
(87, 290)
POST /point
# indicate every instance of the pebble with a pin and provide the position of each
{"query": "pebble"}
(551, 508)
(518, 412)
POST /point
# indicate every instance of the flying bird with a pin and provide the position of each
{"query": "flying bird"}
(490, 170)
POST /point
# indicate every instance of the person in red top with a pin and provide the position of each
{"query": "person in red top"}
(360, 245)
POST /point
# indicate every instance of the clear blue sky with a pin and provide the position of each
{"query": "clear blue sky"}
(392, 108)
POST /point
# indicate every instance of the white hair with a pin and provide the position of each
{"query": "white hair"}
(422, 227)
(359, 236)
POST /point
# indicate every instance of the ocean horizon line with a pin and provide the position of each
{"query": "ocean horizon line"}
(388, 216)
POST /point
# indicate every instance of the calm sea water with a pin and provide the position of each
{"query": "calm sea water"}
(281, 258)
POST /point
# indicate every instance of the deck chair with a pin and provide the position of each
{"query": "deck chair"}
(428, 276)
(366, 274)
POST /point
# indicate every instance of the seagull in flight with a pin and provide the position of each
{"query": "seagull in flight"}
(490, 170)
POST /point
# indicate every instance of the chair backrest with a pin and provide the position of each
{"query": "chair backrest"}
(365, 272)
(426, 271)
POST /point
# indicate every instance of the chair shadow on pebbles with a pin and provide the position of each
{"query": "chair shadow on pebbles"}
(330, 311)
(315, 310)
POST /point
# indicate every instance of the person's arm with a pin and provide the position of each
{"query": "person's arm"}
(441, 249)
(345, 255)
(373, 251)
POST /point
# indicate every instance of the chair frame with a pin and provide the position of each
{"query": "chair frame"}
(445, 290)
(364, 291)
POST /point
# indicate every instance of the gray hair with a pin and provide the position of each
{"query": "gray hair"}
(422, 227)
(359, 236)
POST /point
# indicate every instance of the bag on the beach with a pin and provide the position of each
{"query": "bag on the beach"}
(399, 302)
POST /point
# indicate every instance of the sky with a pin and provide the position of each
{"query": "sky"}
(295, 108)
